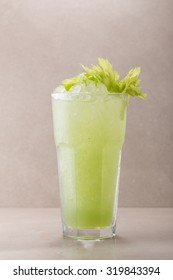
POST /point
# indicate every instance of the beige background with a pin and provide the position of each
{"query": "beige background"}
(43, 42)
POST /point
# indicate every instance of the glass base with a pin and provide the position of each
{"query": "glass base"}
(89, 234)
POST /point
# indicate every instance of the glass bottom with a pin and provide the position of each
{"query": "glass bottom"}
(89, 234)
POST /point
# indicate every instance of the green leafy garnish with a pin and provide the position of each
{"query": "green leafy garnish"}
(104, 73)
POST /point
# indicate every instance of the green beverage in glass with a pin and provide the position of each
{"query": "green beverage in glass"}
(89, 118)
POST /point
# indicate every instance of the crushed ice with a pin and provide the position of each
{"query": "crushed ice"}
(84, 92)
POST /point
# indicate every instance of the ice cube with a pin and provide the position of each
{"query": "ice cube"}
(59, 89)
(76, 89)
(101, 88)
(91, 87)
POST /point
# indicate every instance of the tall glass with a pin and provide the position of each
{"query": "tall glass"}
(89, 132)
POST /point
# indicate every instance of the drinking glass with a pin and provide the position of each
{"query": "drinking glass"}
(89, 132)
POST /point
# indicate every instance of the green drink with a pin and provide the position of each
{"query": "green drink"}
(89, 130)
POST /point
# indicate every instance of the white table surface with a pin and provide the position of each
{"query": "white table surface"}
(142, 233)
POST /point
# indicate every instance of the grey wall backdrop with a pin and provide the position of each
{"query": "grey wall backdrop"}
(45, 41)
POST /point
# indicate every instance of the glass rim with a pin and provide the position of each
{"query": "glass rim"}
(61, 95)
